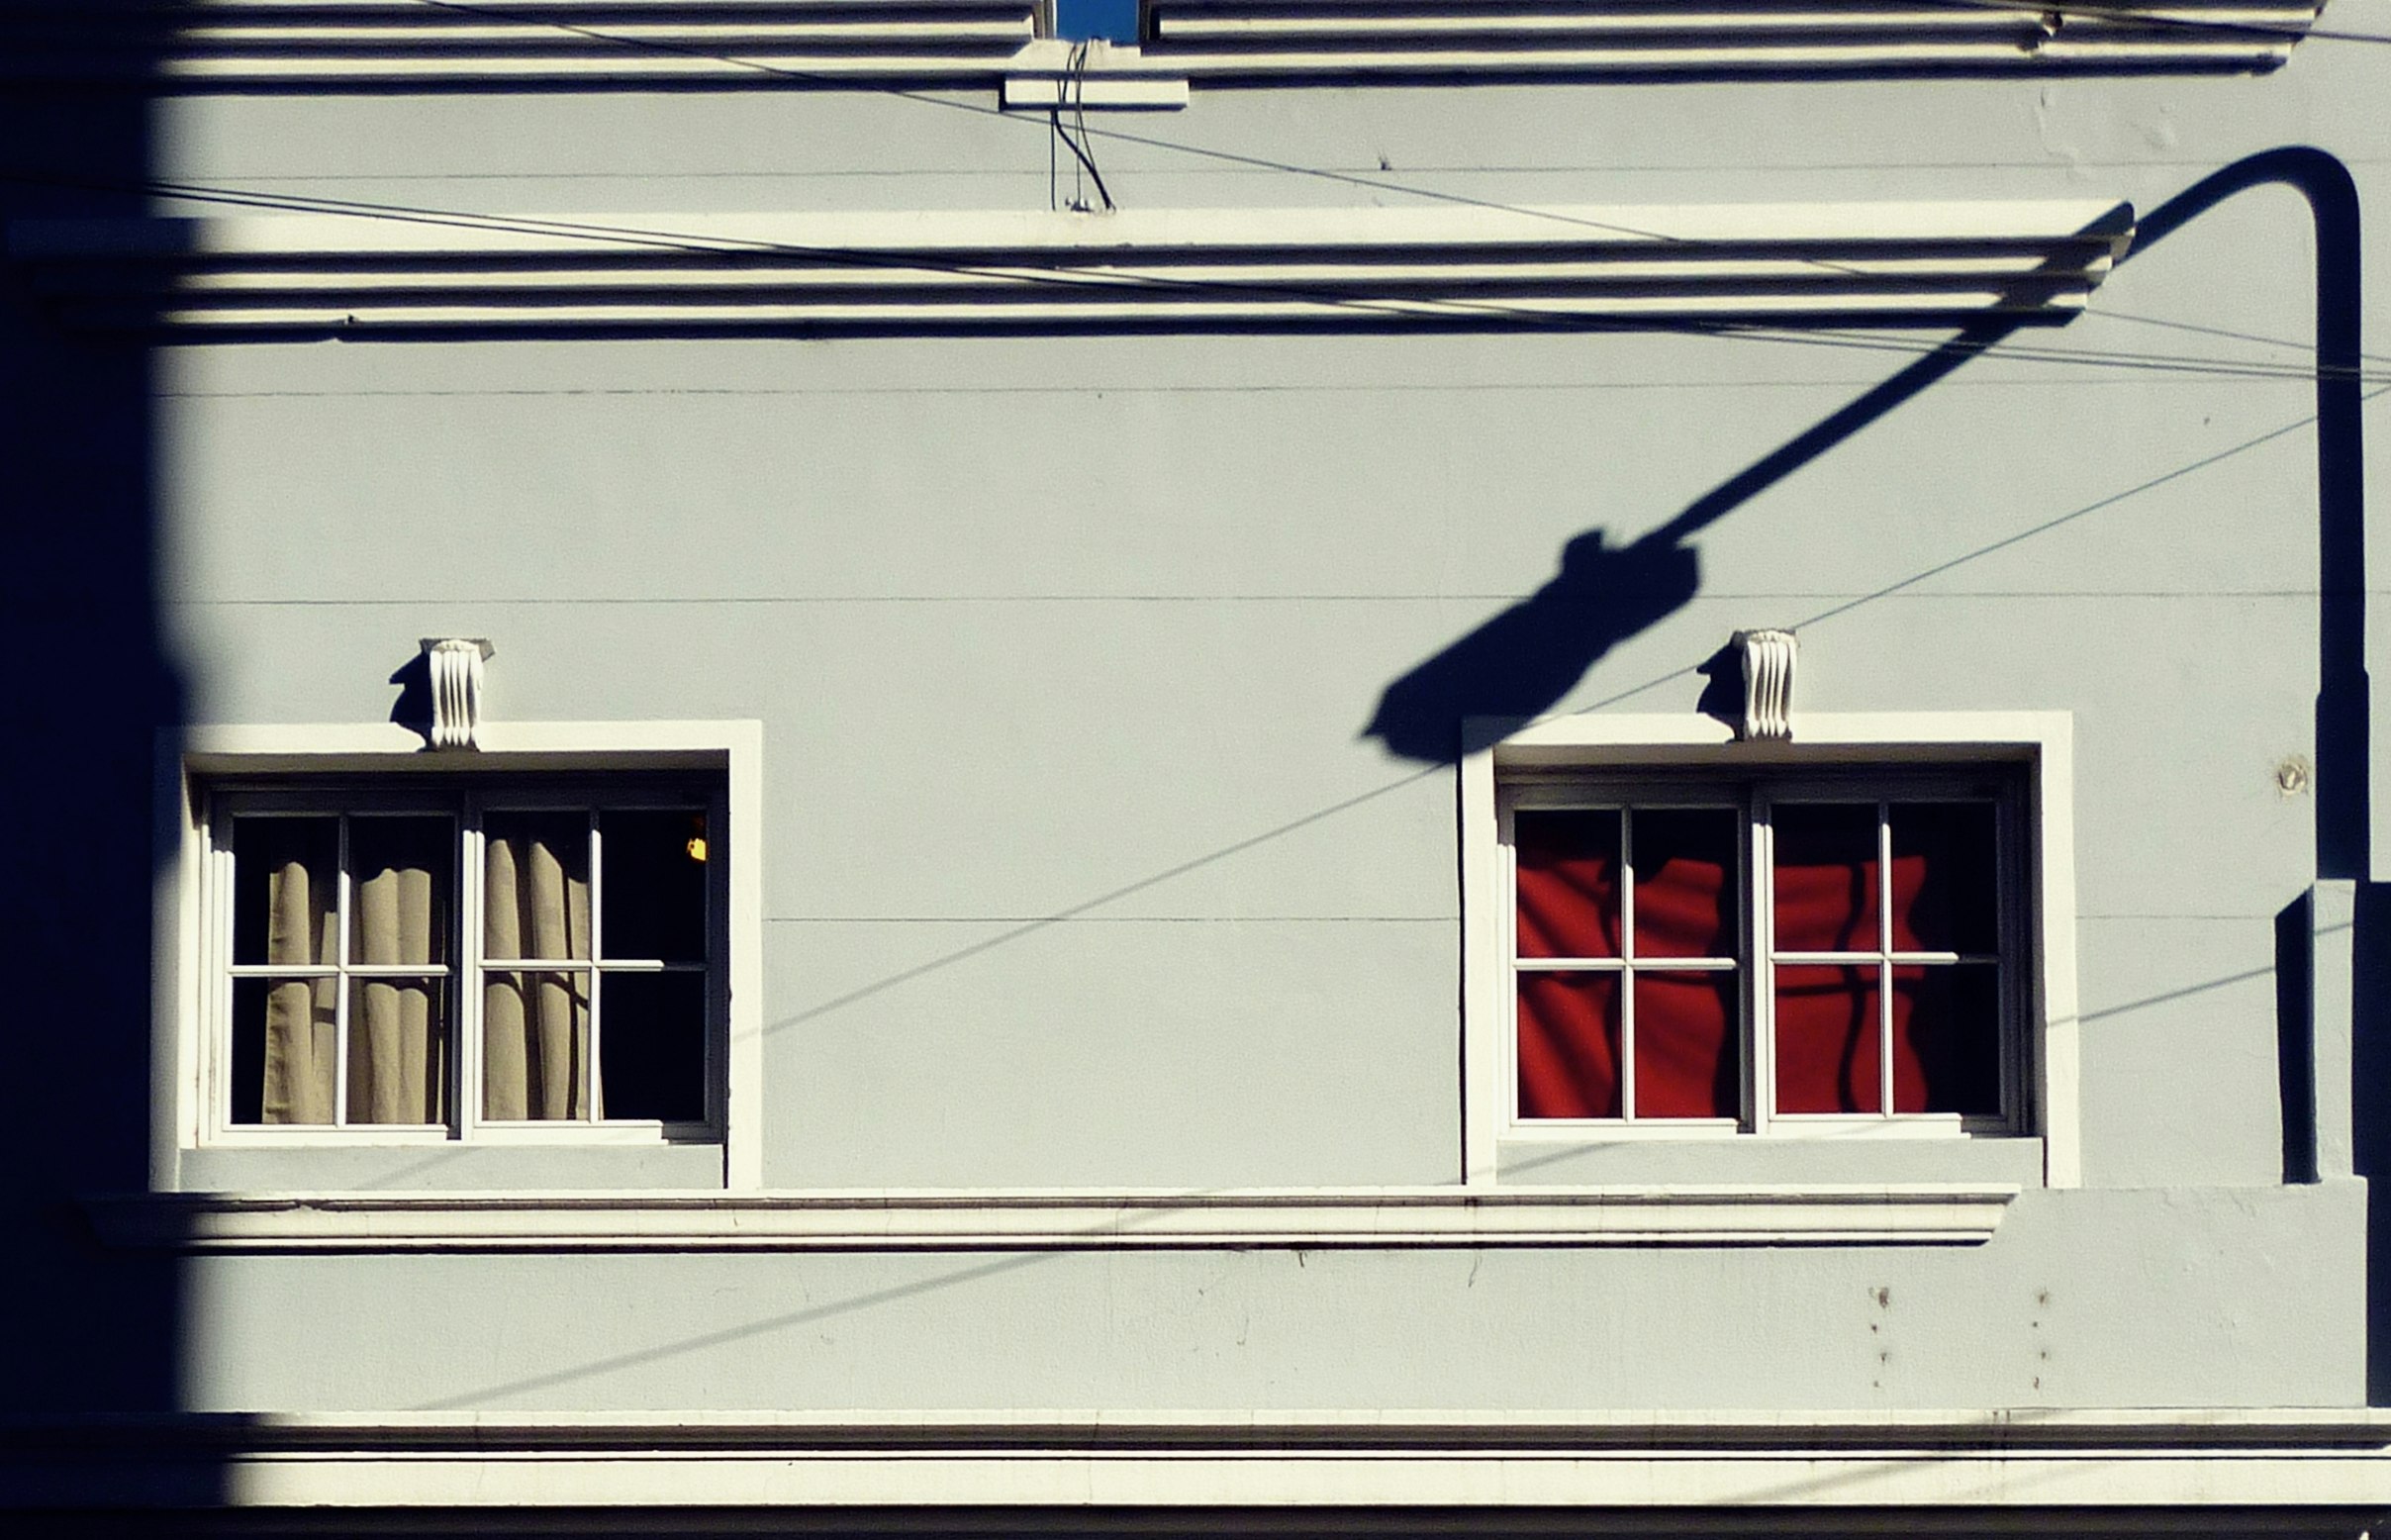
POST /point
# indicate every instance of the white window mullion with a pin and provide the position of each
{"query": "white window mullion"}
(1885, 959)
(1759, 909)
(1507, 917)
(593, 1087)
(1627, 964)
(340, 901)
(472, 859)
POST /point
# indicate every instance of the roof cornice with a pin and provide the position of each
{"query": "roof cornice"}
(203, 46)
(386, 273)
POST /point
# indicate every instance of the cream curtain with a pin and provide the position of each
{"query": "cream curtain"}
(535, 1025)
(396, 1026)
(398, 1066)
(299, 1024)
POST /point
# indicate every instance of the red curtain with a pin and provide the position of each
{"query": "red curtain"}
(1945, 1017)
(1686, 1055)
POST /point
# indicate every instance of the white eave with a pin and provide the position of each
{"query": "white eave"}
(244, 45)
(1913, 1214)
(204, 44)
(1262, 40)
(2026, 1471)
(1451, 267)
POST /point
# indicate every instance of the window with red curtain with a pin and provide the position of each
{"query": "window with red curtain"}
(1758, 955)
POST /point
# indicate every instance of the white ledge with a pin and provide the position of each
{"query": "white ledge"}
(1198, 269)
(1812, 1467)
(1263, 41)
(1948, 1213)
(777, 45)
(231, 44)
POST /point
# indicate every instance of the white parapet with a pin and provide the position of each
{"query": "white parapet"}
(362, 272)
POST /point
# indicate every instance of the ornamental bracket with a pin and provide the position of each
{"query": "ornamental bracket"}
(1769, 657)
(455, 666)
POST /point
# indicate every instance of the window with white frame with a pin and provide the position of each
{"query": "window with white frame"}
(481, 957)
(1671, 934)
(1756, 953)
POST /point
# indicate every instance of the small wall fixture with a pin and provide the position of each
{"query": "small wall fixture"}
(455, 666)
(1768, 683)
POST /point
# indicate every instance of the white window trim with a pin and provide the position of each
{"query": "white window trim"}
(1599, 744)
(746, 1217)
(185, 970)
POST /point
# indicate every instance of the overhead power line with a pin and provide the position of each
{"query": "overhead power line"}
(1383, 185)
(2172, 21)
(1081, 282)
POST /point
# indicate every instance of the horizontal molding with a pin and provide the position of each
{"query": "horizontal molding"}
(266, 44)
(353, 275)
(1946, 1214)
(1260, 41)
(231, 44)
(2257, 1469)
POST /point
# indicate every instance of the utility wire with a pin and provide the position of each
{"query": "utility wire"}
(1257, 162)
(1082, 281)
(1073, 91)
(1407, 309)
(2174, 21)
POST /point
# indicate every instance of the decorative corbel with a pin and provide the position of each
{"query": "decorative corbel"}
(1768, 683)
(455, 667)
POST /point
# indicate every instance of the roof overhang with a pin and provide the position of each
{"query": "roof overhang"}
(387, 272)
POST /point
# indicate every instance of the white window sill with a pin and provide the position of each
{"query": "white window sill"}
(1931, 1214)
(2201, 1472)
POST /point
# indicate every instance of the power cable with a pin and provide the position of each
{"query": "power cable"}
(1074, 92)
(1257, 162)
(2174, 21)
(1409, 310)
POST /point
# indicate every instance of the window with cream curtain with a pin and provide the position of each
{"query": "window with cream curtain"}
(468, 962)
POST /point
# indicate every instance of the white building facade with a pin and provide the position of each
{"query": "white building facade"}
(1398, 767)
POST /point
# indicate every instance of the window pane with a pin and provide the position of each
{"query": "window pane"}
(1946, 888)
(1568, 1046)
(285, 890)
(535, 898)
(1686, 1064)
(535, 1046)
(1947, 1039)
(652, 1046)
(1828, 1040)
(398, 873)
(1568, 883)
(398, 1051)
(654, 887)
(1826, 877)
(1686, 900)
(284, 1050)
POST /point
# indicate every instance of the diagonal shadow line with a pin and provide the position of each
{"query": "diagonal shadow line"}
(1688, 671)
(1126, 890)
(1014, 1261)
(2046, 526)
(1019, 1260)
(730, 1334)
(2202, 988)
(1703, 511)
(1520, 663)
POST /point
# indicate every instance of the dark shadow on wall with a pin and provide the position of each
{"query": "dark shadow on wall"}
(1523, 662)
(2344, 706)
(90, 696)
(2371, 1117)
